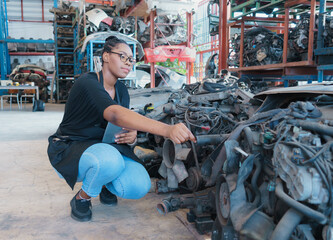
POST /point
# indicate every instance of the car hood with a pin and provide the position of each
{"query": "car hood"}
(318, 88)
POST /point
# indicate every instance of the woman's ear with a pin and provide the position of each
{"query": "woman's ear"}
(105, 57)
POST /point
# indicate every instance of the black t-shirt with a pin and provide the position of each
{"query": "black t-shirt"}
(86, 103)
(83, 124)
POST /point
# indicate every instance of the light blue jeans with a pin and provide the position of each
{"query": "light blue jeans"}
(102, 164)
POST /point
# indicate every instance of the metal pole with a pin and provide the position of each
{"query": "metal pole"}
(285, 35)
(152, 46)
(241, 50)
(43, 11)
(223, 38)
(6, 18)
(322, 17)
(311, 31)
(188, 44)
(320, 39)
(22, 17)
(3, 45)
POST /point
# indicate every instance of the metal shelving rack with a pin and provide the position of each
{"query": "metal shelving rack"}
(188, 43)
(4, 56)
(84, 61)
(253, 6)
(323, 53)
(77, 70)
(4, 53)
(305, 70)
(64, 70)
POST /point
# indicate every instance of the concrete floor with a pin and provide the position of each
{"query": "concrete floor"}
(34, 202)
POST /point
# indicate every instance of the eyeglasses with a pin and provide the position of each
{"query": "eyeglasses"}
(124, 58)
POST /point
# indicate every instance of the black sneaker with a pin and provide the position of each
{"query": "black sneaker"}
(81, 209)
(108, 198)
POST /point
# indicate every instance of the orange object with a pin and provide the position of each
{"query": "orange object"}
(162, 53)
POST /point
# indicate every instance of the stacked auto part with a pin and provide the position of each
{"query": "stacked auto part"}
(211, 117)
(261, 47)
(299, 37)
(31, 75)
(30, 47)
(268, 175)
(278, 148)
(64, 49)
(168, 29)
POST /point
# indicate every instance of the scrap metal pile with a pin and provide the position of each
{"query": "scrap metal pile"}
(31, 75)
(254, 173)
(262, 46)
(298, 39)
(168, 28)
(226, 79)
(169, 25)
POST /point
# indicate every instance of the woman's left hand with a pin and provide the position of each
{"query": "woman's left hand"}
(128, 136)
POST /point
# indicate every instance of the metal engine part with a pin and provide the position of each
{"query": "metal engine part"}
(202, 206)
(271, 171)
(172, 166)
(168, 29)
(261, 47)
(303, 182)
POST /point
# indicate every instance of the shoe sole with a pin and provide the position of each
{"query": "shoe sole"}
(80, 219)
(109, 204)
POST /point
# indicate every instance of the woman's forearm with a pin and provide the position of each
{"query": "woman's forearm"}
(124, 117)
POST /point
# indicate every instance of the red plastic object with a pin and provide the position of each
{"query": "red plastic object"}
(162, 53)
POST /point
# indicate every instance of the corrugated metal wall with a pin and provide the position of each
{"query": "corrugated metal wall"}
(32, 11)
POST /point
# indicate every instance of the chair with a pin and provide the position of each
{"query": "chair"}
(11, 93)
(28, 93)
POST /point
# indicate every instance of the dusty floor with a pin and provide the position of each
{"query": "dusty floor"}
(34, 202)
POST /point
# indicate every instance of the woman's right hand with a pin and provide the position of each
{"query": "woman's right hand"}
(179, 133)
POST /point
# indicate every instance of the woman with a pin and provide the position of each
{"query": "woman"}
(76, 150)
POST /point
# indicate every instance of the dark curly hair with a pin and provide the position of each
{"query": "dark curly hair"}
(112, 42)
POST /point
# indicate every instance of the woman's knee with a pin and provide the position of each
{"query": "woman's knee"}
(104, 158)
(133, 183)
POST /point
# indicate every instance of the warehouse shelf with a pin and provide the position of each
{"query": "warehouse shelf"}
(65, 70)
(63, 22)
(69, 38)
(67, 53)
(31, 53)
(169, 51)
(322, 52)
(253, 6)
(84, 60)
(66, 75)
(285, 69)
(66, 48)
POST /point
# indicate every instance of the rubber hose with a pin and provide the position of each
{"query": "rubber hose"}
(313, 126)
(286, 225)
(309, 212)
(254, 179)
